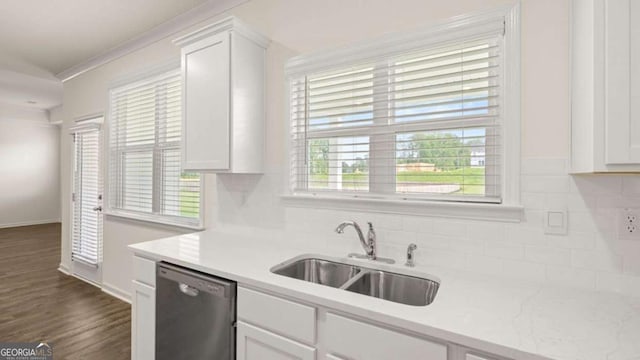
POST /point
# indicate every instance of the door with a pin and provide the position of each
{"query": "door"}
(258, 344)
(86, 244)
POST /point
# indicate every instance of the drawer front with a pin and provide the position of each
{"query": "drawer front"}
(281, 316)
(361, 341)
(144, 271)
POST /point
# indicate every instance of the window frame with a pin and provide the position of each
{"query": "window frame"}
(509, 209)
(156, 149)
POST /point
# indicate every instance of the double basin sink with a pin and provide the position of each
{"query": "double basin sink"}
(400, 288)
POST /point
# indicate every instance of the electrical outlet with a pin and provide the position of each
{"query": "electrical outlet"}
(629, 224)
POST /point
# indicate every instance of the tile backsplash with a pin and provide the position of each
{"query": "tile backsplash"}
(592, 255)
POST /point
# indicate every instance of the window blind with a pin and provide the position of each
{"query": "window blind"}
(87, 221)
(144, 152)
(420, 124)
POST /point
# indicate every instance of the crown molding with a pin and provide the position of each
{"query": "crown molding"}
(192, 17)
(230, 23)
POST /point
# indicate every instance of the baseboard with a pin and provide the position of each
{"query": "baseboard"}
(63, 268)
(116, 292)
(29, 223)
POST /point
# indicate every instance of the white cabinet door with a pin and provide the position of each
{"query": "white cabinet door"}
(254, 343)
(206, 88)
(143, 322)
(622, 84)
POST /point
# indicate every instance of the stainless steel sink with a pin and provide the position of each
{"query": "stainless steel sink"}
(318, 271)
(398, 288)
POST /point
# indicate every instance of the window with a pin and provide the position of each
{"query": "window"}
(417, 122)
(145, 180)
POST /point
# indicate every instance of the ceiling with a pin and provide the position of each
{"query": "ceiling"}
(41, 38)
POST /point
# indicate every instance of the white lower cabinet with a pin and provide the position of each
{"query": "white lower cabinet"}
(254, 343)
(271, 327)
(143, 322)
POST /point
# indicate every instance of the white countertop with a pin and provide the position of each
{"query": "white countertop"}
(504, 317)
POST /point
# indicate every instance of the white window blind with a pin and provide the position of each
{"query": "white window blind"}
(144, 153)
(86, 244)
(419, 124)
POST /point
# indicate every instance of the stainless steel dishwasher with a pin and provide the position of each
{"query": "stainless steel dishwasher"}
(195, 315)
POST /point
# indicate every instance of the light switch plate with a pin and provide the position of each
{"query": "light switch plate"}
(556, 222)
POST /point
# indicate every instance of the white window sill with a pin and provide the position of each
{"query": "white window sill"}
(156, 219)
(446, 209)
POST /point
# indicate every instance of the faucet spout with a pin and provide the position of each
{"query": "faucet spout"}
(368, 244)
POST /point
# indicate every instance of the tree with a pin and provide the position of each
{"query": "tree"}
(444, 150)
(319, 157)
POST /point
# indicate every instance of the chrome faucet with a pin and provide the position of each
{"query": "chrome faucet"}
(369, 245)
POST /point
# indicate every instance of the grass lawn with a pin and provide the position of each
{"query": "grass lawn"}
(189, 203)
(471, 180)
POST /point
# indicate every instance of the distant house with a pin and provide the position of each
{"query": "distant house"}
(421, 167)
(477, 158)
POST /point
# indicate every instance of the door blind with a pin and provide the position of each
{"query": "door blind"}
(145, 174)
(87, 220)
(423, 124)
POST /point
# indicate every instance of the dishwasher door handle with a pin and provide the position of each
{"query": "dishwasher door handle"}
(188, 290)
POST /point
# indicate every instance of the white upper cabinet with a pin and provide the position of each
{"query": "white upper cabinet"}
(605, 76)
(223, 112)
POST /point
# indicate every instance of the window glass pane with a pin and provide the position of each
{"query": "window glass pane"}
(181, 191)
(442, 162)
(339, 163)
(137, 184)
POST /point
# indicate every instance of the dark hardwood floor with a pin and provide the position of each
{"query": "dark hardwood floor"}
(39, 303)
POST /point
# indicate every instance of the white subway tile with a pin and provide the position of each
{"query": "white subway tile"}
(444, 258)
(581, 202)
(418, 224)
(582, 222)
(534, 201)
(631, 185)
(574, 240)
(596, 260)
(387, 221)
(557, 201)
(545, 184)
(596, 184)
(524, 235)
(450, 228)
(543, 166)
(486, 231)
(547, 255)
(504, 249)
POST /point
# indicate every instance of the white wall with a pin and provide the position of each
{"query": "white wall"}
(29, 167)
(590, 256)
